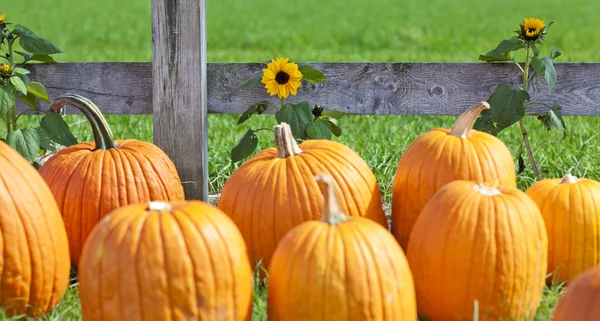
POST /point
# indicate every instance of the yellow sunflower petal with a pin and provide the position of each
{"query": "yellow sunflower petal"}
(293, 90)
(283, 92)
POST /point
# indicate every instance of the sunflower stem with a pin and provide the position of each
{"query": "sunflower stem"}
(281, 106)
(521, 123)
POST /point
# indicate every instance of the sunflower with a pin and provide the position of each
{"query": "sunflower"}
(5, 70)
(281, 77)
(532, 28)
(2, 18)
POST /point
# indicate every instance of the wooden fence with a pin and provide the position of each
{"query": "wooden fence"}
(179, 87)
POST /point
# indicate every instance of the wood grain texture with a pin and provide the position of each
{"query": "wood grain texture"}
(356, 88)
(179, 89)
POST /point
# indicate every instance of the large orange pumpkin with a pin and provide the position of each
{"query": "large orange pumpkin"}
(34, 254)
(339, 268)
(89, 179)
(441, 156)
(571, 210)
(475, 243)
(275, 190)
(183, 260)
(581, 301)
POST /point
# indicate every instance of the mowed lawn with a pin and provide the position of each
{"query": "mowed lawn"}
(334, 30)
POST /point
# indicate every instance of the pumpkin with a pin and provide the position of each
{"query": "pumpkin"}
(182, 260)
(339, 268)
(441, 156)
(581, 301)
(275, 190)
(571, 210)
(478, 244)
(89, 180)
(34, 254)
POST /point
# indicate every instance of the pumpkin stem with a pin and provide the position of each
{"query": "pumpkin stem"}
(332, 214)
(102, 133)
(286, 144)
(159, 206)
(569, 179)
(487, 190)
(462, 126)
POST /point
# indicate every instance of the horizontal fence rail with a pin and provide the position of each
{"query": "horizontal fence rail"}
(355, 88)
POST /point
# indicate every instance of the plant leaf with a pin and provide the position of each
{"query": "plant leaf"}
(485, 123)
(29, 99)
(19, 84)
(7, 99)
(43, 58)
(311, 75)
(536, 49)
(555, 53)
(245, 146)
(545, 67)
(20, 71)
(26, 56)
(507, 106)
(25, 141)
(57, 129)
(333, 114)
(333, 125)
(33, 44)
(553, 118)
(500, 53)
(297, 116)
(257, 108)
(252, 81)
(45, 141)
(318, 129)
(38, 90)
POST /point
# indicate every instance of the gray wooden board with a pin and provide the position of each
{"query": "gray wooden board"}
(178, 81)
(355, 88)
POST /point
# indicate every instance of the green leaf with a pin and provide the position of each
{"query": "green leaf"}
(506, 46)
(29, 57)
(507, 107)
(33, 44)
(38, 90)
(25, 55)
(492, 58)
(7, 99)
(45, 141)
(257, 108)
(19, 84)
(57, 129)
(485, 123)
(555, 53)
(20, 71)
(29, 99)
(553, 118)
(297, 116)
(536, 49)
(252, 81)
(333, 114)
(545, 68)
(333, 125)
(311, 75)
(245, 146)
(25, 141)
(318, 129)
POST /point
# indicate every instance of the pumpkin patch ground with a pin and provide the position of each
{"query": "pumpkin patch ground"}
(341, 30)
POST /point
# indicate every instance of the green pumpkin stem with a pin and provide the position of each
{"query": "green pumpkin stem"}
(285, 142)
(464, 123)
(102, 133)
(332, 213)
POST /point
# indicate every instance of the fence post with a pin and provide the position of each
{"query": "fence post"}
(179, 89)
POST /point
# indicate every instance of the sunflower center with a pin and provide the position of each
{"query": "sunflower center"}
(532, 30)
(282, 78)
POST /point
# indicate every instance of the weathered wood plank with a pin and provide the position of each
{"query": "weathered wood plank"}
(357, 88)
(179, 89)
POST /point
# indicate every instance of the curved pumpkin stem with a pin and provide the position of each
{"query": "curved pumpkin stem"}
(332, 214)
(286, 144)
(569, 179)
(462, 126)
(102, 133)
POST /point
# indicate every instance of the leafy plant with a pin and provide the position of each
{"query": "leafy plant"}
(307, 121)
(509, 105)
(15, 83)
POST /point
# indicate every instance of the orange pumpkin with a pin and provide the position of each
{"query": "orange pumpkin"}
(275, 190)
(184, 260)
(339, 268)
(89, 180)
(441, 156)
(581, 301)
(571, 210)
(478, 243)
(34, 254)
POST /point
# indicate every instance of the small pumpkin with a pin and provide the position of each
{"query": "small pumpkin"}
(34, 254)
(275, 190)
(441, 156)
(477, 243)
(571, 210)
(339, 268)
(581, 300)
(89, 180)
(182, 260)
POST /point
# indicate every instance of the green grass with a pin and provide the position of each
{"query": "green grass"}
(335, 30)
